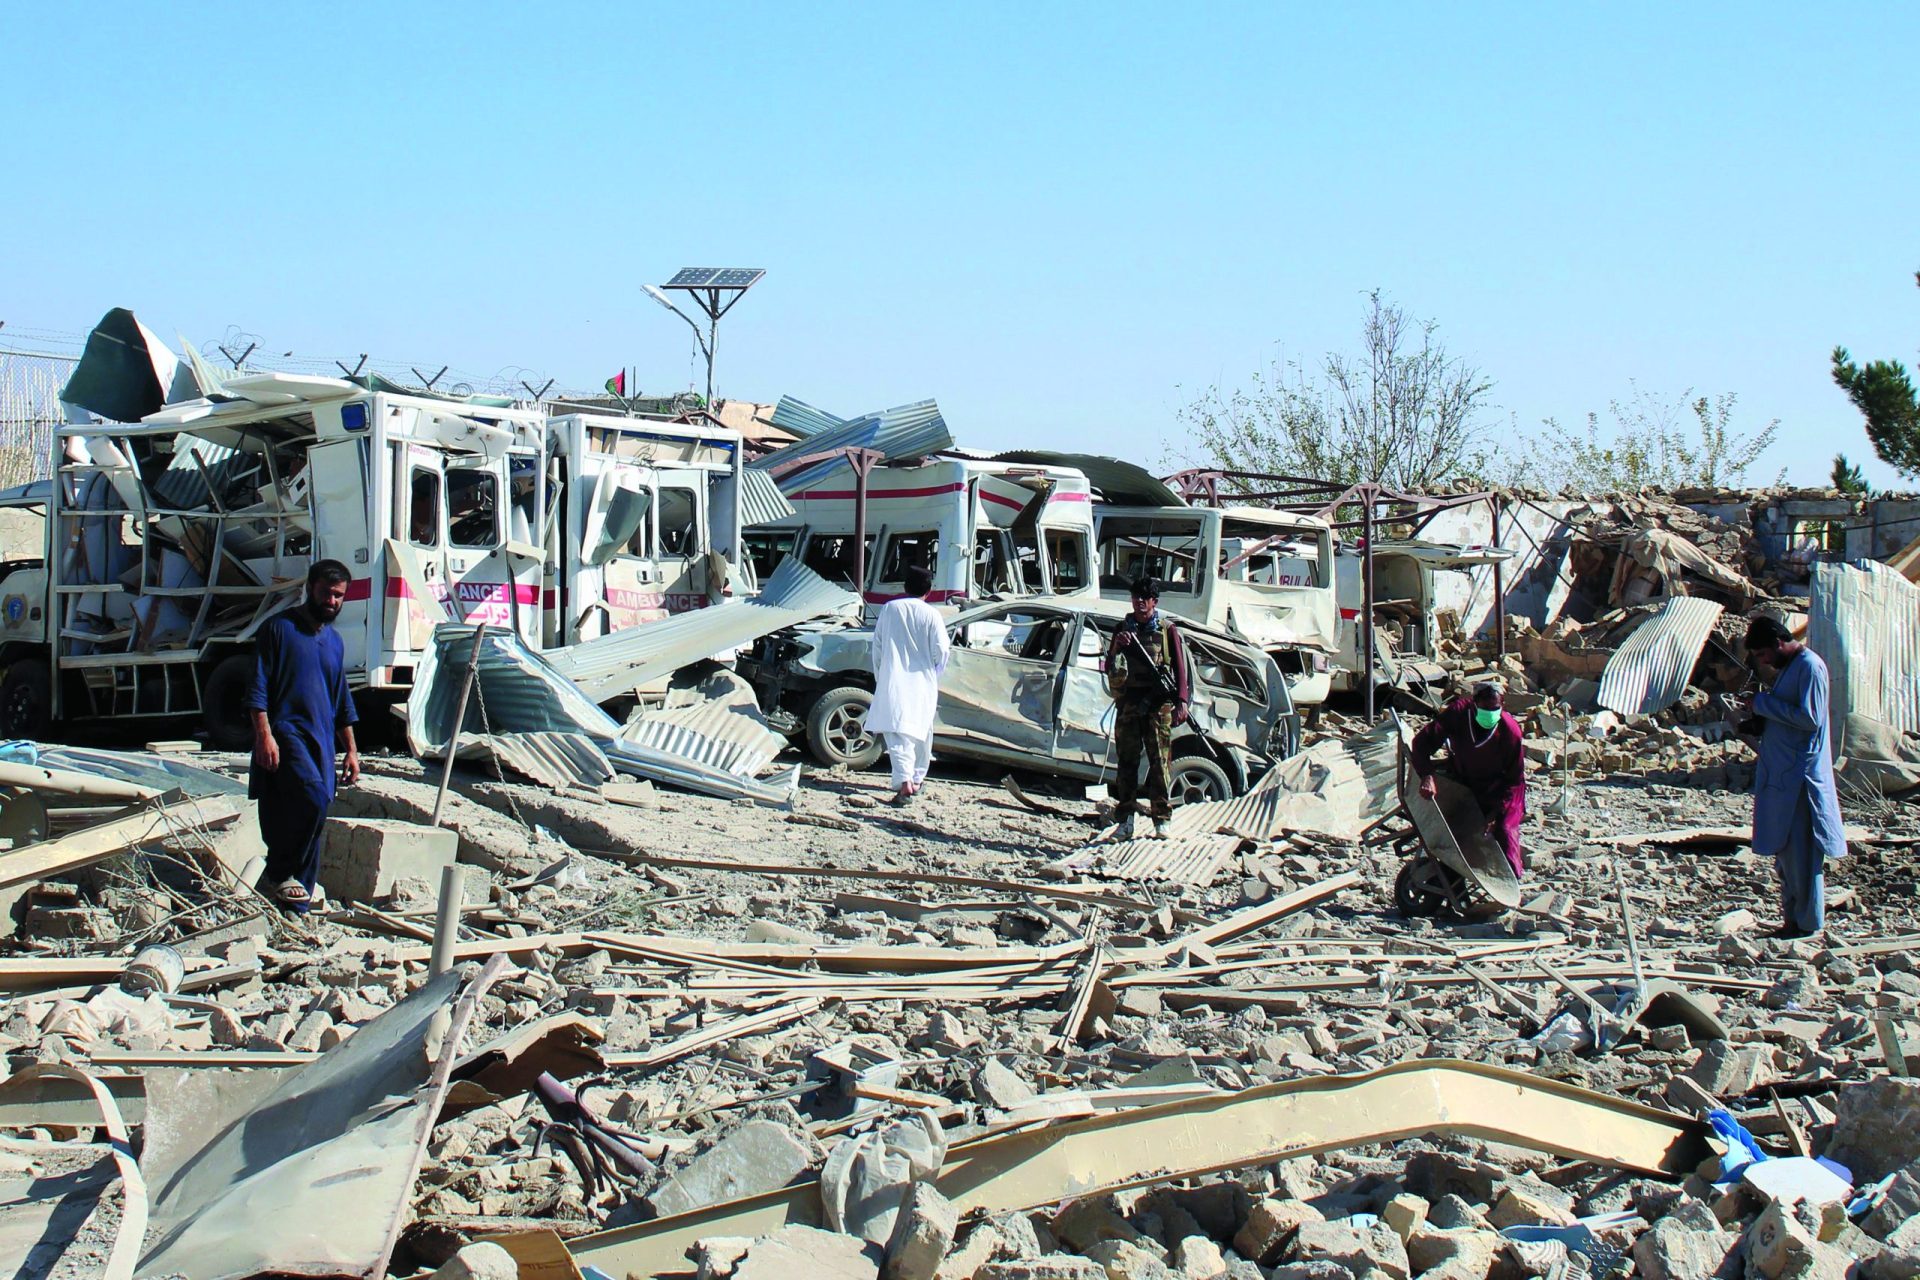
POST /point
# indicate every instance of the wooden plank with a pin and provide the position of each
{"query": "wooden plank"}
(89, 845)
(1090, 897)
(717, 1033)
(1244, 922)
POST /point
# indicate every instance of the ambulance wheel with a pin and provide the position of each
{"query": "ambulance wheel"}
(1196, 780)
(223, 703)
(837, 729)
(26, 699)
(1426, 887)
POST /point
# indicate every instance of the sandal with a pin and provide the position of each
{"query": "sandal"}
(291, 893)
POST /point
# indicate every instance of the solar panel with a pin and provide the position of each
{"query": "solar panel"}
(715, 277)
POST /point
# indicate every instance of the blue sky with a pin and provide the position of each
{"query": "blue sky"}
(1059, 219)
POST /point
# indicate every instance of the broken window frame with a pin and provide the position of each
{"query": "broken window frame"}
(417, 473)
(488, 506)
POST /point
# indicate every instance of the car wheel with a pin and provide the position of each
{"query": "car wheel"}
(1197, 779)
(837, 730)
(223, 703)
(26, 699)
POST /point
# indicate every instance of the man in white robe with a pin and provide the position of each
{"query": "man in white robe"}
(909, 654)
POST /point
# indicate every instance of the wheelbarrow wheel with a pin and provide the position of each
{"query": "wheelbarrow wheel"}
(1426, 887)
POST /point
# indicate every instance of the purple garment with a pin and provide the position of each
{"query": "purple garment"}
(1494, 769)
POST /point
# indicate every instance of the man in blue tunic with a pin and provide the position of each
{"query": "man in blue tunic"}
(1796, 810)
(301, 711)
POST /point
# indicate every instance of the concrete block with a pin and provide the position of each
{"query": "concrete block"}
(1270, 1225)
(758, 1156)
(479, 1262)
(1056, 1266)
(922, 1233)
(360, 858)
(1124, 1261)
(1373, 1247)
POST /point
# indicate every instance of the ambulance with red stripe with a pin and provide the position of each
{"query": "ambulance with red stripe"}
(983, 529)
(172, 538)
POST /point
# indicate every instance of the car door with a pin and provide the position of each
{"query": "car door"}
(1001, 686)
(1083, 737)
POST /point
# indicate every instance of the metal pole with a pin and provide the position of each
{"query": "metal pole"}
(1366, 607)
(860, 469)
(446, 928)
(1499, 585)
(713, 339)
(459, 719)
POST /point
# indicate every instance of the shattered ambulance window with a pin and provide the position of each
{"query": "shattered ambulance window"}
(473, 509)
(679, 522)
(908, 549)
(767, 548)
(1067, 554)
(831, 556)
(423, 509)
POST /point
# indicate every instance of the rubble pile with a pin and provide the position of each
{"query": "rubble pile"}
(701, 1003)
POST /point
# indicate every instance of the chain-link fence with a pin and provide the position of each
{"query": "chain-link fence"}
(30, 385)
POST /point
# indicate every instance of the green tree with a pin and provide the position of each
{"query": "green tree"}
(1403, 412)
(1651, 443)
(1884, 395)
(1848, 477)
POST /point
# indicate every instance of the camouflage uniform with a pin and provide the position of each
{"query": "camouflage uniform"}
(1140, 727)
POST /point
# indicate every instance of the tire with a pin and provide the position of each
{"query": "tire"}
(836, 729)
(223, 703)
(26, 700)
(1425, 887)
(1197, 779)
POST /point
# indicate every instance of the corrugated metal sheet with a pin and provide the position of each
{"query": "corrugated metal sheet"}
(521, 694)
(761, 501)
(1336, 787)
(552, 759)
(1865, 623)
(730, 737)
(907, 431)
(618, 663)
(802, 418)
(1121, 483)
(1650, 671)
(1192, 860)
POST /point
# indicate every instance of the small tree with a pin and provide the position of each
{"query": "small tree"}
(1848, 477)
(1404, 412)
(1884, 395)
(1653, 443)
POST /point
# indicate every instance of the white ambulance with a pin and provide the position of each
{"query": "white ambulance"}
(983, 529)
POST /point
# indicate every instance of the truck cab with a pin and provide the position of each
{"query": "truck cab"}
(984, 530)
(1263, 574)
(646, 523)
(176, 537)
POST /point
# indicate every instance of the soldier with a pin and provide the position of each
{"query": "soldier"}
(1145, 643)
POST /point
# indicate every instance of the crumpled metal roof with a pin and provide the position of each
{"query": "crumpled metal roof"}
(727, 736)
(555, 760)
(1865, 624)
(1336, 787)
(1650, 671)
(906, 431)
(516, 692)
(802, 418)
(618, 663)
(1190, 860)
(1116, 481)
(761, 501)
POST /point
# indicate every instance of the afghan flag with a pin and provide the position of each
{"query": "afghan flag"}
(617, 384)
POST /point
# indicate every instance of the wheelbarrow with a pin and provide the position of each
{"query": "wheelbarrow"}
(1452, 866)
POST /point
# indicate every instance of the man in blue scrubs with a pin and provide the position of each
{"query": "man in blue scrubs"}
(1796, 809)
(301, 713)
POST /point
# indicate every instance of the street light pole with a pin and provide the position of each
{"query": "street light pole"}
(706, 347)
(714, 290)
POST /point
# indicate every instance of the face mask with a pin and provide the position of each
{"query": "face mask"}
(1485, 718)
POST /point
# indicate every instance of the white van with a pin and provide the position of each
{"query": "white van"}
(982, 529)
(1264, 574)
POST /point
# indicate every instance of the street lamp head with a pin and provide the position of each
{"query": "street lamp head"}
(653, 291)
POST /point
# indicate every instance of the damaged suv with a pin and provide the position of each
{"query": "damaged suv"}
(1024, 688)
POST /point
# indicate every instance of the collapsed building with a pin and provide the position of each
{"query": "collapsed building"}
(604, 984)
